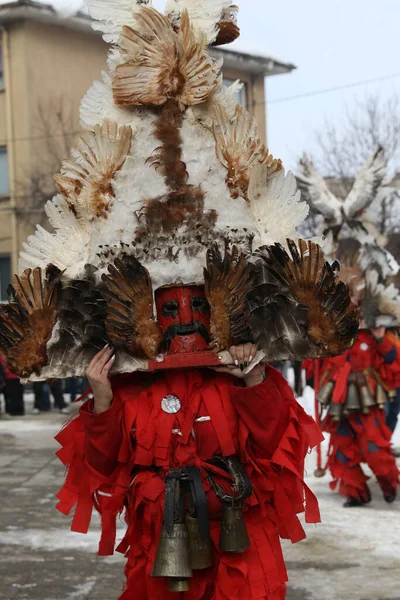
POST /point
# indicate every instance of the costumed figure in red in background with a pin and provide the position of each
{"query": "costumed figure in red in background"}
(173, 277)
(356, 387)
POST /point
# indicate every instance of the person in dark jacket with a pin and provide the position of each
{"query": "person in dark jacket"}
(13, 392)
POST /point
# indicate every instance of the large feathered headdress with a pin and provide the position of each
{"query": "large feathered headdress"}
(170, 185)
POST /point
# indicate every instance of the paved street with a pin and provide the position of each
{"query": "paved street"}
(353, 555)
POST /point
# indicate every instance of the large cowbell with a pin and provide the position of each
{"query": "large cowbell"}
(234, 536)
(200, 550)
(172, 558)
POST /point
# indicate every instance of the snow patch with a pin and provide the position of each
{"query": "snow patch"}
(83, 589)
(53, 540)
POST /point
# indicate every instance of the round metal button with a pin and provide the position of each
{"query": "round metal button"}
(364, 347)
(171, 404)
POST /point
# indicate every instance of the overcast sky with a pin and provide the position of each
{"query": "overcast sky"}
(333, 43)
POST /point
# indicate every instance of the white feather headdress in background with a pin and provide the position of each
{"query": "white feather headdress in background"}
(353, 239)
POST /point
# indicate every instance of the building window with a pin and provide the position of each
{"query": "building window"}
(4, 189)
(5, 276)
(241, 95)
(1, 67)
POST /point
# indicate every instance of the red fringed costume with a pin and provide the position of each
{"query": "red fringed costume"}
(119, 459)
(360, 435)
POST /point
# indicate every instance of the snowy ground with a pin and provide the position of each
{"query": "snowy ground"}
(353, 555)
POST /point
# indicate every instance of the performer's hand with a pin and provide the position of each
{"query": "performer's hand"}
(379, 332)
(242, 357)
(98, 376)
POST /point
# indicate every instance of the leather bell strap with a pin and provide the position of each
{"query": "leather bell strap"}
(173, 503)
(175, 482)
(198, 495)
(241, 481)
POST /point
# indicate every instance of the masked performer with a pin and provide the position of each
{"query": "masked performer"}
(357, 386)
(170, 246)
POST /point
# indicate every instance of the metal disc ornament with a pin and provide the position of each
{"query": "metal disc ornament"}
(171, 404)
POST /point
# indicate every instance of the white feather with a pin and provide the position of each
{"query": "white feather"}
(204, 170)
(388, 299)
(319, 195)
(110, 16)
(366, 185)
(67, 248)
(226, 96)
(98, 105)
(373, 255)
(204, 14)
(276, 205)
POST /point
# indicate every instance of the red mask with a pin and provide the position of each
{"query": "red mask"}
(184, 317)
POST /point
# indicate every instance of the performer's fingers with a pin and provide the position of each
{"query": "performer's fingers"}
(240, 355)
(108, 366)
(247, 353)
(253, 352)
(97, 357)
(103, 360)
(233, 353)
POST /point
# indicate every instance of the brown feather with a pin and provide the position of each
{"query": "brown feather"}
(239, 148)
(183, 206)
(86, 179)
(27, 323)
(228, 30)
(130, 321)
(163, 64)
(313, 283)
(228, 280)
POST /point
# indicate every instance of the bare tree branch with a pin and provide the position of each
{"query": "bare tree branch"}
(343, 145)
(54, 132)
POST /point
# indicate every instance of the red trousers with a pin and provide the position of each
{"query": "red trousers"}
(362, 438)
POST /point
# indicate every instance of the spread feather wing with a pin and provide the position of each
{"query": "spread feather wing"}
(366, 185)
(162, 64)
(67, 248)
(216, 19)
(81, 328)
(239, 148)
(149, 49)
(298, 307)
(228, 280)
(110, 16)
(276, 204)
(130, 321)
(26, 324)
(317, 194)
(86, 180)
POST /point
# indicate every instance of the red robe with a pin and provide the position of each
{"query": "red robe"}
(361, 438)
(112, 455)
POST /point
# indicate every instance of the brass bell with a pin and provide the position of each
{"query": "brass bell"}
(178, 585)
(352, 398)
(325, 393)
(234, 536)
(335, 411)
(172, 558)
(200, 551)
(381, 396)
(367, 399)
